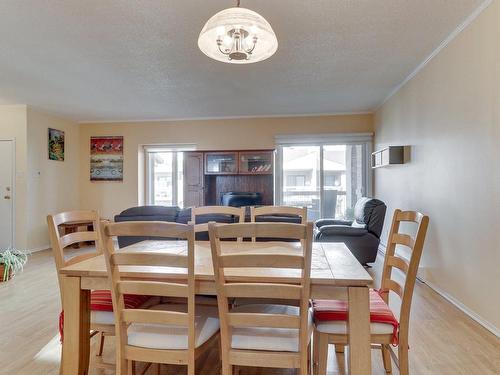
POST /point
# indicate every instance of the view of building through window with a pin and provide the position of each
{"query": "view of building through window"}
(328, 179)
(165, 178)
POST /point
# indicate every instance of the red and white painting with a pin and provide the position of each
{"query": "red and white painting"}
(106, 158)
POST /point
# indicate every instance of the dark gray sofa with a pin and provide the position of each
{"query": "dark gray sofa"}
(183, 216)
(361, 235)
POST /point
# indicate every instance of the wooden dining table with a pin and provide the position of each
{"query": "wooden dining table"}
(335, 274)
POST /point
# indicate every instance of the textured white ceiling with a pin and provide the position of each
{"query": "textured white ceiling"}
(138, 59)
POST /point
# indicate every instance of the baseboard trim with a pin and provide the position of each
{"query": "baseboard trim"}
(37, 249)
(459, 305)
(455, 302)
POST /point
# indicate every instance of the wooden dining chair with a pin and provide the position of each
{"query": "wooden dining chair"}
(102, 319)
(263, 335)
(386, 330)
(166, 333)
(222, 211)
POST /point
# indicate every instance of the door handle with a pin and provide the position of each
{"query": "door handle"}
(6, 197)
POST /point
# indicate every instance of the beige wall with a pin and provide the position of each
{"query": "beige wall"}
(450, 115)
(41, 186)
(13, 126)
(111, 198)
(52, 185)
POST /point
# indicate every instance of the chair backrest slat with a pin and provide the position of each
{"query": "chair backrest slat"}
(155, 317)
(149, 259)
(261, 260)
(261, 290)
(269, 230)
(263, 320)
(398, 262)
(409, 268)
(248, 287)
(146, 229)
(76, 237)
(403, 239)
(153, 288)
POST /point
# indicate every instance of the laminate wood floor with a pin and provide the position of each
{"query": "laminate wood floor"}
(443, 340)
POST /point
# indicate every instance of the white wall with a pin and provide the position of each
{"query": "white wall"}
(450, 115)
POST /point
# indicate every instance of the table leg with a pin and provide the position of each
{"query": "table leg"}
(76, 345)
(359, 331)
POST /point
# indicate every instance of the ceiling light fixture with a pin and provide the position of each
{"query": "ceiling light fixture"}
(238, 36)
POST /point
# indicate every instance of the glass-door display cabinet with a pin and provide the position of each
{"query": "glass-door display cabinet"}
(221, 162)
(256, 162)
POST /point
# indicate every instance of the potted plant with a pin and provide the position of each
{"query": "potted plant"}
(11, 262)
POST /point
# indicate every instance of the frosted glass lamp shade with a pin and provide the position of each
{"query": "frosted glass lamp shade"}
(239, 36)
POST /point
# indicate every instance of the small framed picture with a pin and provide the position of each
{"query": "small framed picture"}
(56, 144)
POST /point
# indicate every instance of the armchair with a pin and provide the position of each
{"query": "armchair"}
(361, 235)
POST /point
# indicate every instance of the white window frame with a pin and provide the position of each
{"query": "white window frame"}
(331, 139)
(148, 185)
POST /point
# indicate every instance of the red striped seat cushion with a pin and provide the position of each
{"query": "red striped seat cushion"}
(335, 310)
(100, 300)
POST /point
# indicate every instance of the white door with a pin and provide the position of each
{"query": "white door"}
(6, 194)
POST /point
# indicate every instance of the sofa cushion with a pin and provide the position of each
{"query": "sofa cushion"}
(294, 219)
(100, 300)
(355, 224)
(171, 211)
(331, 316)
(174, 337)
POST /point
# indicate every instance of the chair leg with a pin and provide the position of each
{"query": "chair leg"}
(339, 348)
(322, 353)
(130, 367)
(309, 358)
(315, 350)
(386, 358)
(158, 369)
(304, 361)
(101, 344)
(404, 365)
(227, 369)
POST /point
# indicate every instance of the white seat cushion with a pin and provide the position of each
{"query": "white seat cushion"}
(270, 339)
(340, 328)
(102, 317)
(162, 336)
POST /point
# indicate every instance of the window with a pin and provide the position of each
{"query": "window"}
(327, 174)
(293, 180)
(165, 175)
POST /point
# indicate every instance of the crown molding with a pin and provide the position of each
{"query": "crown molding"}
(228, 117)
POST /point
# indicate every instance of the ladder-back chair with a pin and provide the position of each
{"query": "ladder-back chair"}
(263, 335)
(391, 331)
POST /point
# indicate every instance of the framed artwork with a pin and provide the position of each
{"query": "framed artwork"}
(56, 144)
(106, 158)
